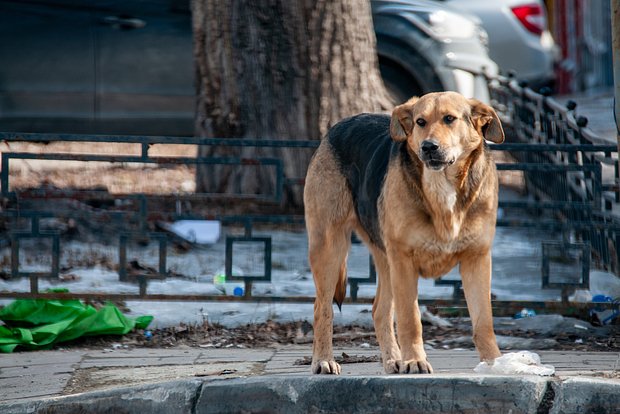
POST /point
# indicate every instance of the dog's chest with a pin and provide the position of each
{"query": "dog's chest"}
(438, 236)
(441, 197)
(440, 192)
(435, 257)
(433, 246)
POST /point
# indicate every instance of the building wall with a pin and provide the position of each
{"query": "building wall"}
(582, 30)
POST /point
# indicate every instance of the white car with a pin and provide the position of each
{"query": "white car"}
(519, 38)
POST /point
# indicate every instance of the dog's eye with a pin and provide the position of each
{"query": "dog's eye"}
(421, 122)
(448, 119)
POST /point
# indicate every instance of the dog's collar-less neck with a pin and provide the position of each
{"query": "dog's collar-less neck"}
(466, 176)
(472, 177)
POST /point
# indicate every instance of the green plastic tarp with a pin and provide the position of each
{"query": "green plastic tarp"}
(40, 323)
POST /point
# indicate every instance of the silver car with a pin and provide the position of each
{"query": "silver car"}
(519, 38)
(424, 46)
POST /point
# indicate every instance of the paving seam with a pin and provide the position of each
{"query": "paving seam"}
(75, 367)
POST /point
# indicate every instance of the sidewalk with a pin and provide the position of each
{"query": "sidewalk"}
(233, 380)
(598, 107)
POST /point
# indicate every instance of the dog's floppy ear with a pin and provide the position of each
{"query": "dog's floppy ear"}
(486, 121)
(401, 124)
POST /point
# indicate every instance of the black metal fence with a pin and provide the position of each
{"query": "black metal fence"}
(135, 212)
(583, 200)
(568, 173)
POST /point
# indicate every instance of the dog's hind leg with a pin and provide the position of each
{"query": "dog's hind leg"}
(383, 315)
(328, 255)
(329, 216)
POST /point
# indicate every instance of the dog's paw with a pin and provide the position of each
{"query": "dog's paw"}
(414, 366)
(326, 367)
(391, 366)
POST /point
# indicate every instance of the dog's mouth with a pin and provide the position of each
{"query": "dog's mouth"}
(435, 158)
(438, 164)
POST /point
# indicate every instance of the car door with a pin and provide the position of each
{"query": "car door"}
(144, 69)
(46, 65)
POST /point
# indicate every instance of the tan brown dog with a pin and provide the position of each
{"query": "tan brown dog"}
(423, 202)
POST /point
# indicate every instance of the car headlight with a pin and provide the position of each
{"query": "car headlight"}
(483, 36)
(444, 25)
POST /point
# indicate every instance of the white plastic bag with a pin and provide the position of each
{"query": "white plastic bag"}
(522, 362)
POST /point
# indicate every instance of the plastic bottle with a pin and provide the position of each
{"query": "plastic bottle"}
(219, 280)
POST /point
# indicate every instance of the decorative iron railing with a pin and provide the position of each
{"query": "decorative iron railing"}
(569, 174)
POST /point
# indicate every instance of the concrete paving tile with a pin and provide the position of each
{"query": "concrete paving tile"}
(17, 359)
(10, 372)
(583, 364)
(137, 361)
(289, 373)
(362, 368)
(290, 368)
(579, 361)
(279, 364)
(103, 378)
(218, 354)
(34, 385)
(143, 352)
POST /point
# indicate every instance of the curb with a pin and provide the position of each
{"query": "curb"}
(157, 398)
(360, 394)
(436, 394)
(586, 395)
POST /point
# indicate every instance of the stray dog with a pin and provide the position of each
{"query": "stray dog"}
(420, 189)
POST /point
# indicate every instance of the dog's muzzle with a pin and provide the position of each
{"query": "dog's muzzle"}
(433, 156)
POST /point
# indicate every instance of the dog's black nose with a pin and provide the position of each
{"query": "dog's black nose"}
(429, 146)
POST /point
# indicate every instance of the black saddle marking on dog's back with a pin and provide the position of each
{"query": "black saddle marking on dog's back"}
(363, 147)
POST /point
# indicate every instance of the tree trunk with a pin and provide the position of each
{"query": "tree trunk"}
(279, 69)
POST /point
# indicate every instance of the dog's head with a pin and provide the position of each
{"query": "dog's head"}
(443, 127)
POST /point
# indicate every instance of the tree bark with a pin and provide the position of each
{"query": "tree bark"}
(279, 69)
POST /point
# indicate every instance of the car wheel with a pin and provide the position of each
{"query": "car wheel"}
(400, 84)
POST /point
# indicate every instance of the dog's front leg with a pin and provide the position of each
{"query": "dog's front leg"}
(408, 323)
(383, 315)
(476, 276)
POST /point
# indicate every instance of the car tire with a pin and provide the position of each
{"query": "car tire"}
(400, 84)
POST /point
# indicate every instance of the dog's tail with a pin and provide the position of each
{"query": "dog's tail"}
(341, 286)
